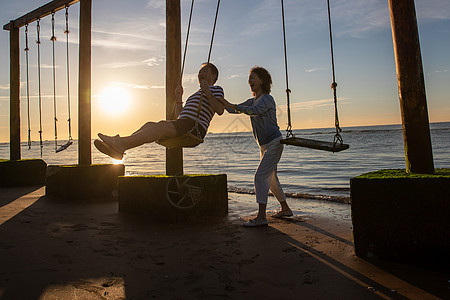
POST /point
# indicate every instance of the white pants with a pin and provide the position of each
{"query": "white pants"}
(266, 175)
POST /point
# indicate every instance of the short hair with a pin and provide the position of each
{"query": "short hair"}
(264, 75)
(213, 68)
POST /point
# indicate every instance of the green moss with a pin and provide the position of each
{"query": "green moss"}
(13, 161)
(77, 166)
(166, 176)
(401, 173)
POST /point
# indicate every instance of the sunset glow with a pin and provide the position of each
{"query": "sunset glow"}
(114, 100)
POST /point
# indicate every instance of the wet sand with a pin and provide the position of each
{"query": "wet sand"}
(51, 249)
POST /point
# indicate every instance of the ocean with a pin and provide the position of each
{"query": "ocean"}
(302, 172)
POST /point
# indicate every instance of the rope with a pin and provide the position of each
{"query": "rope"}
(38, 42)
(28, 85)
(288, 91)
(213, 31)
(53, 39)
(68, 73)
(187, 39)
(209, 59)
(337, 137)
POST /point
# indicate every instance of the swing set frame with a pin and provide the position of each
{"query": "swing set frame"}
(84, 73)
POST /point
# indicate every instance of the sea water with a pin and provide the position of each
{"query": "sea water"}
(302, 171)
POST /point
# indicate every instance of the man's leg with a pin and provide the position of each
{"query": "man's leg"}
(148, 124)
(148, 133)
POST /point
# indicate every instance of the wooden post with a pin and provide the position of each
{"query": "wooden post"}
(14, 118)
(411, 87)
(84, 84)
(174, 157)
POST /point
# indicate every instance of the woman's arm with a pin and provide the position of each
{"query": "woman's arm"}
(216, 105)
(264, 104)
(232, 108)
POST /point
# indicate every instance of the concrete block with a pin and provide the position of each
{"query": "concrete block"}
(174, 198)
(24, 172)
(89, 182)
(402, 217)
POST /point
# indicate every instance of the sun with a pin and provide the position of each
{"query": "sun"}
(114, 100)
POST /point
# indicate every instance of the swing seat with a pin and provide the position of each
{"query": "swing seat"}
(187, 140)
(64, 147)
(314, 144)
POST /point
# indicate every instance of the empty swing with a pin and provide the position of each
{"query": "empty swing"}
(70, 140)
(338, 143)
(192, 138)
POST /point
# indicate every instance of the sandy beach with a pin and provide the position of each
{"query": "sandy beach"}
(50, 249)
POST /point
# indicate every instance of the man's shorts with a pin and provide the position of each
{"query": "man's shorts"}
(183, 126)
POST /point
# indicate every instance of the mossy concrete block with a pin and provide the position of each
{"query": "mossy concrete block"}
(174, 198)
(89, 182)
(402, 217)
(24, 172)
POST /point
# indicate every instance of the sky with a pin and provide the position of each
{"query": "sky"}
(128, 62)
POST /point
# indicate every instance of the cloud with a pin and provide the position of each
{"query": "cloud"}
(150, 62)
(190, 78)
(357, 18)
(117, 45)
(130, 33)
(237, 76)
(4, 87)
(313, 104)
(314, 69)
(138, 86)
(438, 71)
(154, 61)
(433, 9)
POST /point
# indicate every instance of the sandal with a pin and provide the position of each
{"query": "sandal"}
(283, 213)
(108, 149)
(256, 223)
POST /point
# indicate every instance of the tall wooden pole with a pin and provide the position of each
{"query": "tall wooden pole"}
(174, 157)
(411, 87)
(84, 84)
(14, 108)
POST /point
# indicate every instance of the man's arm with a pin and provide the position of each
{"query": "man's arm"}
(216, 105)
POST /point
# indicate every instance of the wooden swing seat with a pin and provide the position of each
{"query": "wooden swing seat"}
(187, 140)
(314, 144)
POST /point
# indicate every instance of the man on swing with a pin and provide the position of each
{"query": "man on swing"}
(207, 97)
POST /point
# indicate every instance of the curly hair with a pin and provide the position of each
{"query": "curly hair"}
(264, 75)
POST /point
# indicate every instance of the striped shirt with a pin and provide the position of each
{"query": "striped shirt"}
(190, 109)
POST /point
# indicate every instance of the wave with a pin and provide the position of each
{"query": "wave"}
(337, 199)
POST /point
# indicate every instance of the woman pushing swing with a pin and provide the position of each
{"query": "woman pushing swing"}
(262, 111)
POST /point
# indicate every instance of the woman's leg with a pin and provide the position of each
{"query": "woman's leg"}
(275, 187)
(277, 190)
(270, 156)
